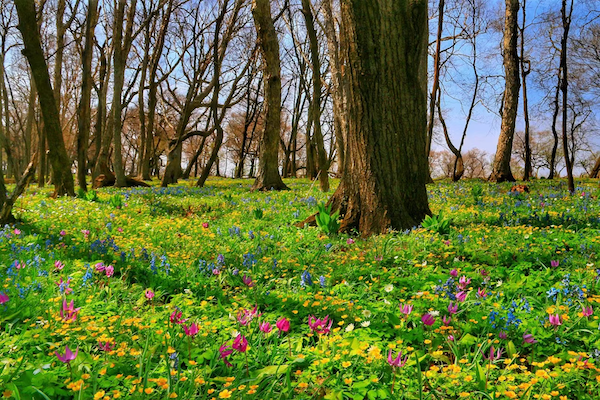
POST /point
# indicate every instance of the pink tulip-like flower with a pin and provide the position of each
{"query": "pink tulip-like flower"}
(406, 309)
(453, 308)
(110, 271)
(58, 265)
(494, 354)
(320, 325)
(205, 225)
(149, 294)
(175, 317)
(3, 298)
(19, 265)
(17, 231)
(283, 325)
(63, 233)
(120, 230)
(463, 282)
(554, 263)
(100, 267)
(502, 335)
(247, 281)
(350, 241)
(86, 233)
(428, 319)
(265, 327)
(528, 338)
(454, 273)
(481, 293)
(461, 296)
(397, 362)
(106, 346)
(64, 286)
(225, 351)
(68, 356)
(587, 311)
(554, 320)
(191, 330)
(446, 320)
(450, 338)
(244, 317)
(69, 312)
(240, 343)
(483, 272)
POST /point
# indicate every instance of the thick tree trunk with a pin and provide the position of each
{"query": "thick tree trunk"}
(173, 170)
(501, 168)
(384, 185)
(566, 20)
(322, 160)
(194, 161)
(596, 170)
(268, 176)
(7, 202)
(61, 165)
(84, 111)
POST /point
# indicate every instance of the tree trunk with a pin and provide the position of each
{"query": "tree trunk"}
(566, 20)
(323, 162)
(84, 111)
(554, 131)
(194, 161)
(459, 168)
(103, 135)
(501, 168)
(384, 185)
(61, 165)
(525, 70)
(268, 176)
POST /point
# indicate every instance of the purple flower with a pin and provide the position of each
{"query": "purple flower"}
(406, 309)
(481, 293)
(587, 311)
(461, 296)
(3, 298)
(446, 320)
(320, 325)
(225, 352)
(502, 335)
(105, 346)
(149, 294)
(454, 273)
(283, 325)
(175, 317)
(240, 343)
(528, 338)
(69, 312)
(100, 267)
(110, 270)
(494, 354)
(62, 233)
(58, 265)
(453, 308)
(191, 330)
(350, 241)
(450, 338)
(554, 320)
(428, 319)
(397, 362)
(554, 263)
(247, 281)
(68, 356)
(265, 327)
(463, 282)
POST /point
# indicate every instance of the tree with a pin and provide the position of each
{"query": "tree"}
(501, 167)
(268, 176)
(57, 153)
(384, 184)
(566, 21)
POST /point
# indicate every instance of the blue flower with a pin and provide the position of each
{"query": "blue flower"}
(306, 279)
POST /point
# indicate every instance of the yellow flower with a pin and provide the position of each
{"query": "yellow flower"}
(173, 395)
(225, 394)
(346, 364)
(464, 394)
(100, 394)
(348, 381)
(148, 390)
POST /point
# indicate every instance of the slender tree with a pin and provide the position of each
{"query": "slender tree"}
(566, 16)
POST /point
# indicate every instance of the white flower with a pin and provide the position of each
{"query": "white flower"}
(350, 328)
(187, 291)
(234, 334)
(499, 283)
(386, 302)
(364, 324)
(367, 313)
(434, 313)
(424, 263)
(388, 288)
(526, 236)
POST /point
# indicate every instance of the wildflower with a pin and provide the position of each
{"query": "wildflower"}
(58, 265)
(63, 287)
(149, 294)
(86, 233)
(388, 288)
(244, 317)
(481, 293)
(105, 346)
(528, 338)
(175, 317)
(322, 281)
(68, 356)
(350, 328)
(350, 241)
(450, 338)
(69, 312)
(554, 263)
(3, 298)
(587, 311)
(240, 343)
(461, 296)
(428, 319)
(454, 273)
(283, 325)
(320, 325)
(494, 354)
(247, 281)
(110, 270)
(554, 320)
(205, 225)
(306, 279)
(17, 231)
(502, 335)
(265, 327)
(406, 309)
(446, 320)
(365, 324)
(99, 267)
(224, 353)
(397, 362)
(191, 330)
(463, 282)
(62, 233)
(453, 308)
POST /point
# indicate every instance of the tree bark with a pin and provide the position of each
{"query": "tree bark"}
(322, 159)
(525, 70)
(501, 168)
(84, 110)
(102, 135)
(61, 165)
(268, 177)
(384, 184)
(566, 21)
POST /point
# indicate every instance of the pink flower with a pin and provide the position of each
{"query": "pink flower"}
(406, 309)
(502, 335)
(64, 286)
(461, 296)
(481, 293)
(397, 362)
(447, 242)
(205, 225)
(63, 233)
(587, 311)
(17, 231)
(86, 233)
(494, 355)
(463, 282)
(225, 353)
(247, 281)
(450, 338)
(244, 317)
(240, 343)
(68, 356)
(175, 317)
(350, 241)
(19, 265)
(69, 312)
(191, 330)
(100, 267)
(283, 325)
(105, 346)
(58, 265)
(452, 308)
(554, 263)
(528, 338)
(149, 294)
(265, 327)
(454, 273)
(320, 325)
(3, 298)
(554, 320)
(446, 321)
(428, 319)
(110, 270)
(120, 229)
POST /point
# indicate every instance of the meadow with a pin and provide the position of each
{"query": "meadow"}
(214, 293)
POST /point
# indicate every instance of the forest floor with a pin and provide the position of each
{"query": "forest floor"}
(214, 293)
